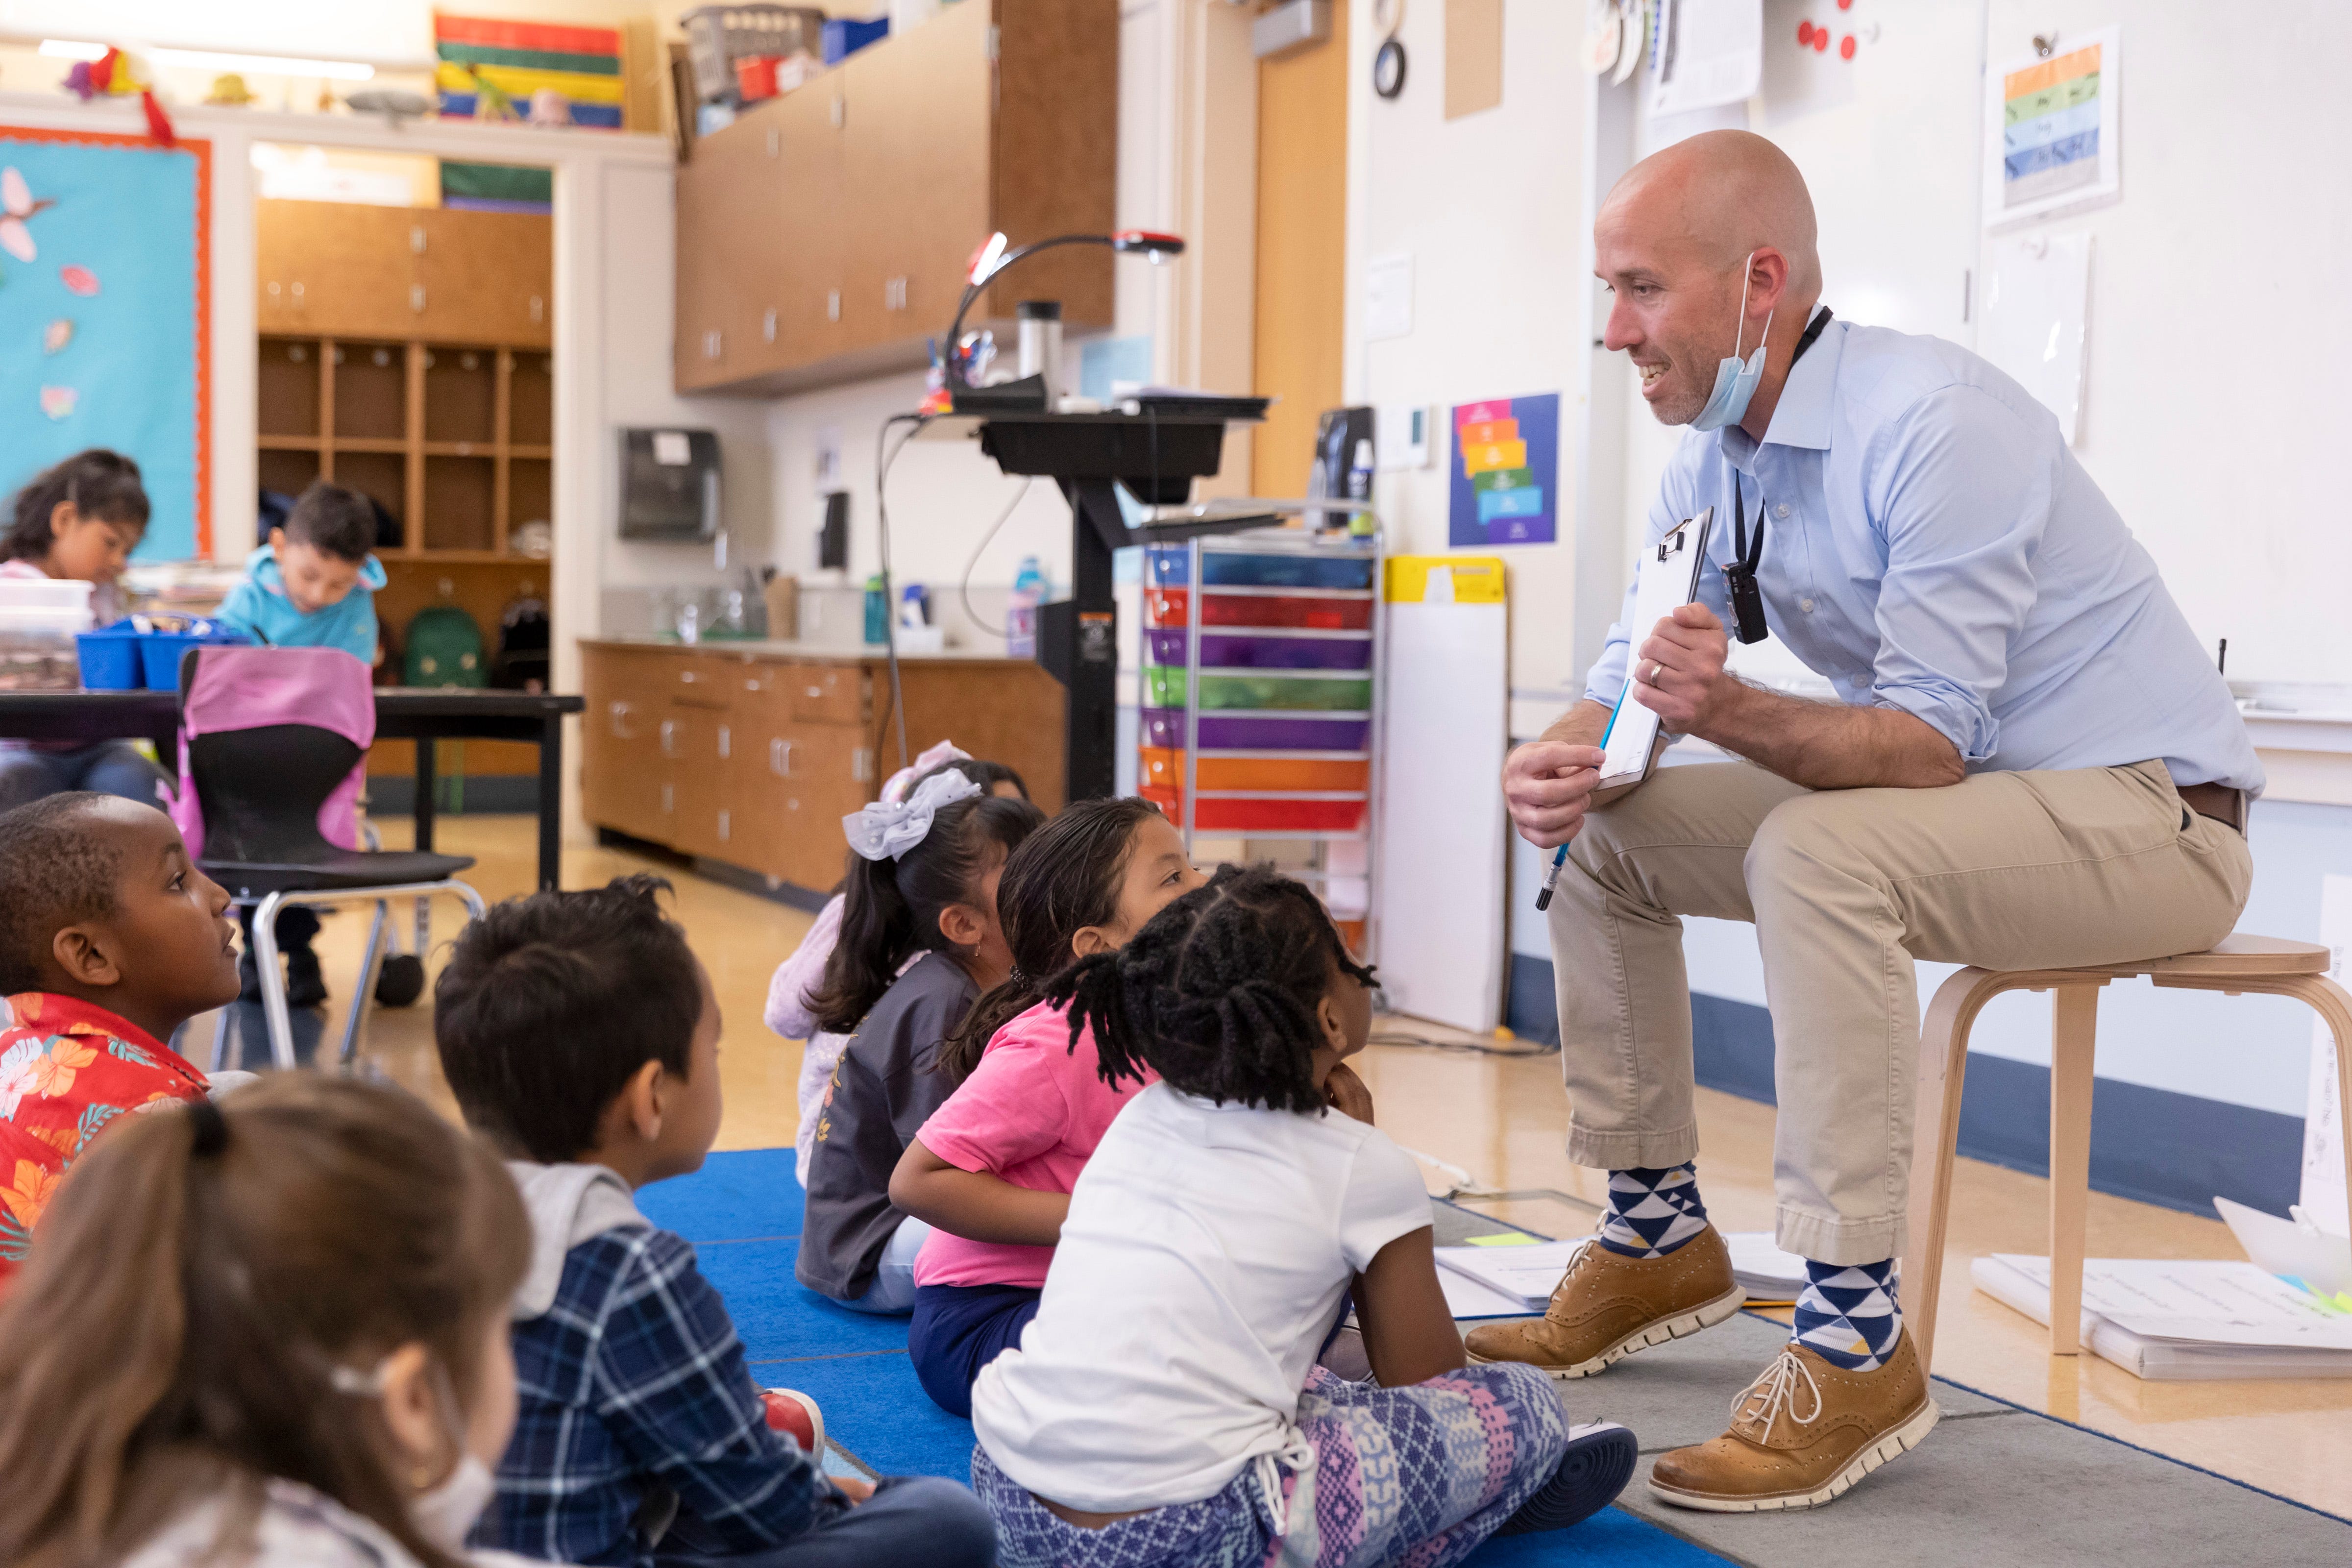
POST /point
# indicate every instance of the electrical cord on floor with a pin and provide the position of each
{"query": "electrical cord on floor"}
(963, 589)
(1467, 1048)
(883, 455)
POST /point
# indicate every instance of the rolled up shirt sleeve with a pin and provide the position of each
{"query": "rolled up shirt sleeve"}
(1964, 500)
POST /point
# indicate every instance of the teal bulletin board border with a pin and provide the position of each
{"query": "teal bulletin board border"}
(124, 261)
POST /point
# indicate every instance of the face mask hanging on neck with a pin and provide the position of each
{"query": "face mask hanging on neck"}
(1735, 383)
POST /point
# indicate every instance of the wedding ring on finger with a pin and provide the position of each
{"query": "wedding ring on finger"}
(1652, 678)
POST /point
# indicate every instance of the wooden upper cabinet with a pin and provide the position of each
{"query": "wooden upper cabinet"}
(891, 171)
(333, 269)
(430, 274)
(487, 277)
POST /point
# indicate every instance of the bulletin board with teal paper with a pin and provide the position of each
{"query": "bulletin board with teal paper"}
(105, 328)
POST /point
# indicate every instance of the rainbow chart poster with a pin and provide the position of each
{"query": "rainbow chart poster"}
(2053, 130)
(1505, 478)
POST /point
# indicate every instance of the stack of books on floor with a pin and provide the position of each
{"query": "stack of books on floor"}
(1512, 1276)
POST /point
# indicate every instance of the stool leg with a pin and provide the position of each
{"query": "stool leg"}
(2333, 1005)
(1935, 1134)
(2074, 1036)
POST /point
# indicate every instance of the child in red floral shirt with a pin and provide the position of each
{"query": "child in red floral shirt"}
(109, 939)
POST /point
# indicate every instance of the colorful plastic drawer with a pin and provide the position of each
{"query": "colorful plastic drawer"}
(1164, 688)
(1164, 727)
(1352, 933)
(1163, 768)
(1265, 650)
(1167, 566)
(1168, 607)
(1267, 815)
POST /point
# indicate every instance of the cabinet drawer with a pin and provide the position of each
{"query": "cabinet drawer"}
(829, 694)
(705, 680)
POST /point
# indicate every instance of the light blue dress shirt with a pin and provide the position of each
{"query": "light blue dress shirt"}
(1932, 545)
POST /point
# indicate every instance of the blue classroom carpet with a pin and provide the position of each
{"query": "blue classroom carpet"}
(742, 1212)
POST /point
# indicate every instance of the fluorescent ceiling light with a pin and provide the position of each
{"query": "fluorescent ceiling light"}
(206, 59)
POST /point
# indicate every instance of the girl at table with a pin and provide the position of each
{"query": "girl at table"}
(79, 520)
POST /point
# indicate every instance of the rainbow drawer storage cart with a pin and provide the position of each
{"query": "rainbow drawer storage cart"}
(1260, 701)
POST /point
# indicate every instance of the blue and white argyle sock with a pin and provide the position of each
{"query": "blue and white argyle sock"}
(1651, 1213)
(1848, 1315)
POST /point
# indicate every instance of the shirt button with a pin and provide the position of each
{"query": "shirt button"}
(1780, 510)
(1806, 606)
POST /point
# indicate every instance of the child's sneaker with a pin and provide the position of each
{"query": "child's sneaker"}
(796, 1415)
(1599, 1462)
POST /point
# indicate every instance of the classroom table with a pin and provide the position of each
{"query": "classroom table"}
(401, 713)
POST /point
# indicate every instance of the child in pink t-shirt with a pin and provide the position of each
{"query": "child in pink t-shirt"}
(991, 1169)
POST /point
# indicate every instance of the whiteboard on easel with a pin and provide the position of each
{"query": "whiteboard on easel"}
(1441, 830)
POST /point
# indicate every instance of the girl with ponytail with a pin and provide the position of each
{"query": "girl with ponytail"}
(920, 940)
(992, 1170)
(1227, 1217)
(270, 1331)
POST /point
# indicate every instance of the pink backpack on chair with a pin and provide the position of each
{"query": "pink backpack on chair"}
(261, 689)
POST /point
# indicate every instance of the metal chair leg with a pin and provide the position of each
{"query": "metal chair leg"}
(273, 981)
(371, 961)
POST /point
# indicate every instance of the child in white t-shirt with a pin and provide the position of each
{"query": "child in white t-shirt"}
(1164, 1406)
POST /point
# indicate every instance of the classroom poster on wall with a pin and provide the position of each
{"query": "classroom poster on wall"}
(1505, 474)
(104, 327)
(2053, 139)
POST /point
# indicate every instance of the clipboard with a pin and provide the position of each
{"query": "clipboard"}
(1666, 579)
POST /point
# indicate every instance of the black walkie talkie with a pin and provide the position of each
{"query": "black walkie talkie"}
(1747, 599)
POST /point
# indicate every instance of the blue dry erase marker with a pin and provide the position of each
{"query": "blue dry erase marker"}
(1551, 877)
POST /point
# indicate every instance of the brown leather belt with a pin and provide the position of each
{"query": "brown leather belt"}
(2220, 802)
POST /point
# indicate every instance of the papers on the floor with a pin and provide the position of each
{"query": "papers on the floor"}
(1465, 1298)
(1768, 1274)
(2297, 1251)
(1522, 1275)
(2184, 1320)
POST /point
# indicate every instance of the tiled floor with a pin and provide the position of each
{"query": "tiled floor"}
(1499, 1121)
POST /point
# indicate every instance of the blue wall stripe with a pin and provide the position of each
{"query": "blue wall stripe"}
(2155, 1145)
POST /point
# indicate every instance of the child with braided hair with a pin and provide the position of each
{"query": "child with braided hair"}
(990, 1170)
(1163, 1409)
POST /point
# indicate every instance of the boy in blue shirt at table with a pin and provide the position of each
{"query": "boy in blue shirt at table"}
(312, 585)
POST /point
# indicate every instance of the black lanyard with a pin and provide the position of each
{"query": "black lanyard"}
(1747, 599)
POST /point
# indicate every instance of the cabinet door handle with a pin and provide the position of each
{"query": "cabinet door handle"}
(710, 344)
(298, 292)
(831, 302)
(668, 735)
(861, 764)
(619, 714)
(669, 800)
(686, 675)
(724, 743)
(538, 309)
(273, 291)
(775, 141)
(839, 112)
(416, 297)
(768, 326)
(779, 758)
(723, 825)
(416, 238)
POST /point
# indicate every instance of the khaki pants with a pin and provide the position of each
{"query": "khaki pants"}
(1845, 888)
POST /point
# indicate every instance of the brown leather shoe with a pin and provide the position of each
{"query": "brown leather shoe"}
(1607, 1306)
(1802, 1434)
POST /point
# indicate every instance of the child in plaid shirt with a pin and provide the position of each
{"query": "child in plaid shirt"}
(579, 1032)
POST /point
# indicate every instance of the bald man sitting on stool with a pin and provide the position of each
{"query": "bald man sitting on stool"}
(2030, 763)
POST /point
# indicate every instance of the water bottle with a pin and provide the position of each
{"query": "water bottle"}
(1360, 487)
(1021, 616)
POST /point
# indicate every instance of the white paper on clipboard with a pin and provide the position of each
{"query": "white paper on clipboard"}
(1666, 580)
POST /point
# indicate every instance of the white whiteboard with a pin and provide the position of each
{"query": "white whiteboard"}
(2220, 297)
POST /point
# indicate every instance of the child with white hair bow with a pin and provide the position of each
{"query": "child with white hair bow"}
(918, 941)
(788, 1011)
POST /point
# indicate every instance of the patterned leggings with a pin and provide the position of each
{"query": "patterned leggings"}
(1416, 1476)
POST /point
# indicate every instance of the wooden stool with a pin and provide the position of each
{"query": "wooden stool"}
(2237, 963)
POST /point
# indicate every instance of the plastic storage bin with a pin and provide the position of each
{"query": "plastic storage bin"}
(1266, 815)
(1164, 687)
(160, 652)
(110, 659)
(1327, 612)
(1162, 768)
(1265, 648)
(845, 35)
(1164, 728)
(718, 35)
(36, 648)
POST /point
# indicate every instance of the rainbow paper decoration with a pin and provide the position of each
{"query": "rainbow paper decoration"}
(490, 70)
(1506, 463)
(2049, 127)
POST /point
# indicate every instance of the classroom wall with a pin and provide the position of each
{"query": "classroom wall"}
(1488, 207)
